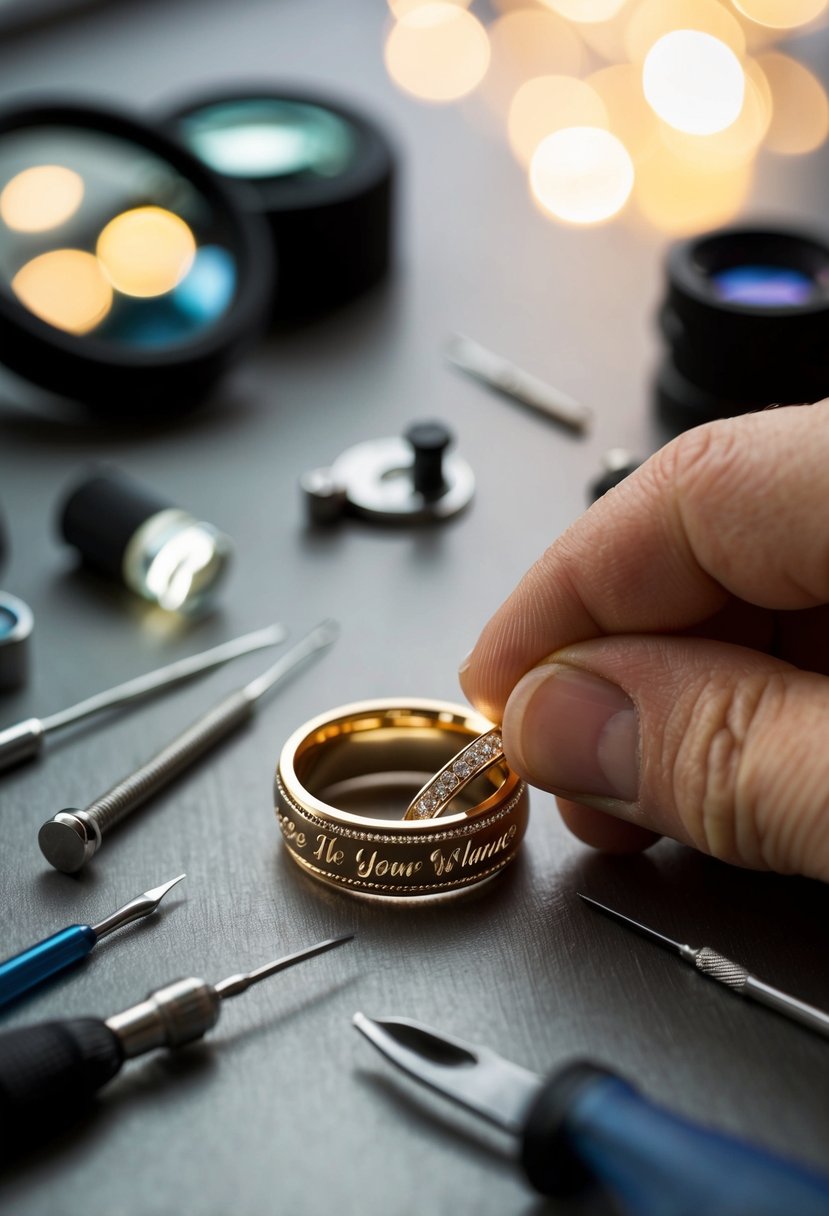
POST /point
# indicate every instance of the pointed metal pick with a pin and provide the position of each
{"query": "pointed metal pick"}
(235, 984)
(644, 930)
(472, 1076)
(142, 905)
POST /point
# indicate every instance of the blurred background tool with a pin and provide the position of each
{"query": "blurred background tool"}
(717, 967)
(24, 739)
(51, 1070)
(319, 172)
(31, 967)
(585, 1125)
(513, 381)
(71, 837)
(152, 546)
(413, 479)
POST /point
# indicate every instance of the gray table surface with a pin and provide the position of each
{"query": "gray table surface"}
(285, 1108)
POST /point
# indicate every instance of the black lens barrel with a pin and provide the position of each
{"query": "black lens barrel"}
(726, 357)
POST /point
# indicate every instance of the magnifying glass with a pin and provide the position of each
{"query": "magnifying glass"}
(320, 172)
(130, 275)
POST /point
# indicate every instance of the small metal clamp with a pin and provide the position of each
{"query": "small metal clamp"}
(408, 480)
(16, 623)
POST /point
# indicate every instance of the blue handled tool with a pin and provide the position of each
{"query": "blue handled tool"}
(585, 1125)
(31, 967)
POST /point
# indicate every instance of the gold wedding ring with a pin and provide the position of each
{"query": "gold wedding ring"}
(344, 782)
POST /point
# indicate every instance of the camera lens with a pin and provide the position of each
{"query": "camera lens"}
(746, 321)
(129, 276)
(319, 172)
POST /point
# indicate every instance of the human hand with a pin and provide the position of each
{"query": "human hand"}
(664, 667)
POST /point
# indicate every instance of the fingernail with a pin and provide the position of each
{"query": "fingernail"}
(465, 661)
(574, 733)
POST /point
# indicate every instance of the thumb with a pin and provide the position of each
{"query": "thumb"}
(716, 745)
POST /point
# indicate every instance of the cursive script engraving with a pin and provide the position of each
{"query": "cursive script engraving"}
(327, 850)
(445, 863)
(381, 866)
(291, 832)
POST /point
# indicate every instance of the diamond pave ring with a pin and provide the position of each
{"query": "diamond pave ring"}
(434, 797)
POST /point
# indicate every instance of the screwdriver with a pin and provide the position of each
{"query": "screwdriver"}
(24, 740)
(51, 1070)
(585, 1125)
(31, 967)
(717, 967)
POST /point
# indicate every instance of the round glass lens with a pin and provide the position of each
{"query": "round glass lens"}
(101, 237)
(270, 137)
(764, 286)
(8, 622)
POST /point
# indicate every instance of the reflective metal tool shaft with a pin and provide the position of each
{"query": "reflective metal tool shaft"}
(69, 839)
(717, 967)
(24, 740)
(51, 1071)
(68, 946)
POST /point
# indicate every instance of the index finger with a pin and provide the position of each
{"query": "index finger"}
(731, 509)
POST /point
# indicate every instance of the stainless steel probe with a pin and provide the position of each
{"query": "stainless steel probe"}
(24, 740)
(71, 837)
(717, 967)
(50, 1071)
(68, 946)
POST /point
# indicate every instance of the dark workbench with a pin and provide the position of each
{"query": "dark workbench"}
(284, 1108)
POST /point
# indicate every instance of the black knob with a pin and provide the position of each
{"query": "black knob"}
(429, 441)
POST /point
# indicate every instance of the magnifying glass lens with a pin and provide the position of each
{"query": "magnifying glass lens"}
(269, 137)
(764, 286)
(100, 237)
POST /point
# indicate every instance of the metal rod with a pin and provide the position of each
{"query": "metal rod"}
(234, 985)
(131, 690)
(69, 839)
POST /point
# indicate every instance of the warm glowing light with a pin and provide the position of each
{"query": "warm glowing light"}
(587, 11)
(438, 52)
(652, 19)
(528, 43)
(693, 82)
(680, 198)
(781, 14)
(40, 198)
(800, 121)
(549, 103)
(146, 251)
(630, 118)
(66, 288)
(737, 143)
(401, 7)
(582, 174)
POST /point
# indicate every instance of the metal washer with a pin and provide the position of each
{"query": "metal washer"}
(377, 476)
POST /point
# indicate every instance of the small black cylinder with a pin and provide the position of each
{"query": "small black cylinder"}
(101, 515)
(429, 441)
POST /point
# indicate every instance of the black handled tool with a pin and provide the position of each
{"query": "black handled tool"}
(585, 1125)
(51, 1070)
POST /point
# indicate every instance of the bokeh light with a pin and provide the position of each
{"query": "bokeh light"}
(401, 7)
(528, 43)
(438, 52)
(582, 175)
(693, 82)
(146, 251)
(781, 14)
(548, 103)
(737, 143)
(653, 19)
(586, 11)
(66, 288)
(629, 116)
(41, 198)
(680, 198)
(800, 118)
